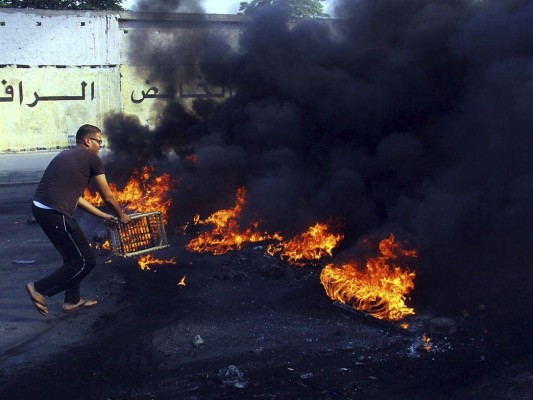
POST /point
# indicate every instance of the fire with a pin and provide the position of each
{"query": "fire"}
(226, 234)
(426, 342)
(142, 193)
(101, 246)
(380, 290)
(182, 281)
(312, 245)
(145, 261)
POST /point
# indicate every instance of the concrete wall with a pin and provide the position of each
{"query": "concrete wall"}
(60, 69)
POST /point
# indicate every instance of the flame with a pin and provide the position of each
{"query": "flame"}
(426, 342)
(380, 290)
(226, 234)
(182, 281)
(142, 193)
(145, 261)
(101, 246)
(312, 245)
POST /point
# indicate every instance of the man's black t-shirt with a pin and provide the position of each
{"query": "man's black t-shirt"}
(65, 178)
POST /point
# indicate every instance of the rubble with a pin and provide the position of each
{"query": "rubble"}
(232, 377)
(197, 341)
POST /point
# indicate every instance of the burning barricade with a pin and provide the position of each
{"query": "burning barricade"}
(379, 288)
(313, 245)
(226, 233)
(142, 193)
(149, 197)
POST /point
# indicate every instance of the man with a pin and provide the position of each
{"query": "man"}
(57, 196)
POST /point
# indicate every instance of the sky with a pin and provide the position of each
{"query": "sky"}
(215, 6)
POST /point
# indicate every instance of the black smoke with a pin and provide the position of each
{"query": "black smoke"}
(169, 6)
(410, 117)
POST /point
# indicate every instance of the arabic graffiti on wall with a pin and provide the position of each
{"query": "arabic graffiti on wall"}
(200, 90)
(41, 106)
(146, 97)
(9, 91)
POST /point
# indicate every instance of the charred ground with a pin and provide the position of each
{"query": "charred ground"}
(268, 331)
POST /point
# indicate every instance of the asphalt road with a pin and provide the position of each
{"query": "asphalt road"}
(25, 256)
(244, 326)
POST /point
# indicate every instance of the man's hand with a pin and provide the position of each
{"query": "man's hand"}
(109, 218)
(109, 198)
(125, 219)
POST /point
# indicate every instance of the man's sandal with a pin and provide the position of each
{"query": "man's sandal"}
(39, 304)
(68, 307)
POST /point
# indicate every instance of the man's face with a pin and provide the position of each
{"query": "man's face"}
(94, 142)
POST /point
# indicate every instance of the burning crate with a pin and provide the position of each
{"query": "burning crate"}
(145, 233)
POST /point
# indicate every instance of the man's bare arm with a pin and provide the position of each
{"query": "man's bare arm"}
(109, 198)
(95, 211)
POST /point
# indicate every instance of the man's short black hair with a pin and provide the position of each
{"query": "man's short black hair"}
(86, 130)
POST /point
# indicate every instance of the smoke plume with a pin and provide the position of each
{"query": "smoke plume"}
(169, 6)
(409, 117)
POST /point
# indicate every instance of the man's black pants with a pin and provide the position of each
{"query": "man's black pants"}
(78, 257)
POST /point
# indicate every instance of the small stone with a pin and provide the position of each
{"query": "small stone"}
(306, 376)
(198, 341)
(231, 376)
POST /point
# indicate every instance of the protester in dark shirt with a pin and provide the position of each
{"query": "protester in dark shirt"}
(58, 194)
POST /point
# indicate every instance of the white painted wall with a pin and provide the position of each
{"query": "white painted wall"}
(40, 37)
(62, 69)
